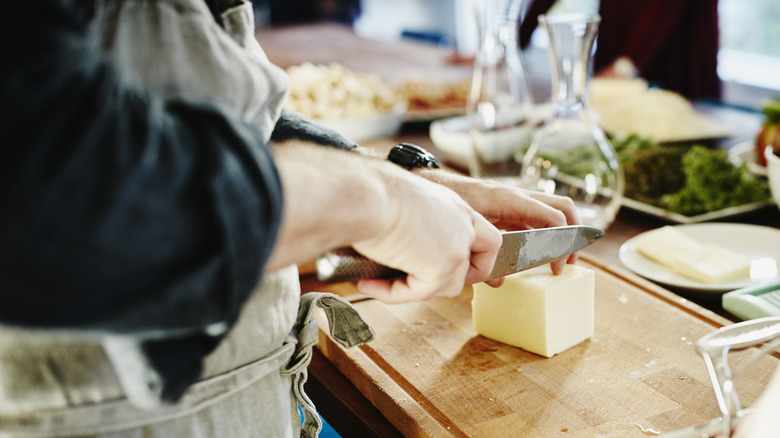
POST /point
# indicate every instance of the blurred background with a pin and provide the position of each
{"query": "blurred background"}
(748, 57)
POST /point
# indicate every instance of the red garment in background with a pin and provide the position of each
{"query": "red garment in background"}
(673, 43)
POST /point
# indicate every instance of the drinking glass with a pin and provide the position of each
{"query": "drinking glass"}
(714, 349)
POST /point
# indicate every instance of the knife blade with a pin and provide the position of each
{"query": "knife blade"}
(519, 250)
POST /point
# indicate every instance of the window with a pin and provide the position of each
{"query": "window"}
(749, 57)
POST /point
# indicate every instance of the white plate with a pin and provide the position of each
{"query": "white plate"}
(451, 136)
(760, 244)
(433, 114)
(367, 128)
(745, 152)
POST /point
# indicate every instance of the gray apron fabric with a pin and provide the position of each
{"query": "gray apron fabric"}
(204, 60)
(56, 385)
(63, 385)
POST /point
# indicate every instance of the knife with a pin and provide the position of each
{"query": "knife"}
(519, 250)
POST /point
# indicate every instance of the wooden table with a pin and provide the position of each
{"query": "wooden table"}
(429, 374)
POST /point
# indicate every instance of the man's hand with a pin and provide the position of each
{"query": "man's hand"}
(335, 198)
(438, 240)
(510, 208)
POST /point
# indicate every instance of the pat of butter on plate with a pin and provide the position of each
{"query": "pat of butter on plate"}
(537, 311)
(711, 263)
(663, 244)
(703, 262)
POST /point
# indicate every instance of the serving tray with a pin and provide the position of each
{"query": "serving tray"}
(703, 217)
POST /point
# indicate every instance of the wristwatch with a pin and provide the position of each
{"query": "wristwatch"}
(409, 156)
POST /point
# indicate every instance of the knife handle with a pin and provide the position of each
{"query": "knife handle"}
(346, 264)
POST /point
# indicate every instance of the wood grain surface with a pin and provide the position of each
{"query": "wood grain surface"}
(430, 374)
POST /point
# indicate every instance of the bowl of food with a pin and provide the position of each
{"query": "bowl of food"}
(773, 173)
(369, 127)
(358, 105)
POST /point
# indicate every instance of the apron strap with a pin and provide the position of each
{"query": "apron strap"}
(346, 326)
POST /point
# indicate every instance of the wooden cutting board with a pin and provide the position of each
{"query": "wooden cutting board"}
(431, 374)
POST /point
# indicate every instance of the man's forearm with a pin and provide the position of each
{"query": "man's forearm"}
(331, 198)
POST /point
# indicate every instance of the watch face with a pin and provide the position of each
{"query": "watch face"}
(408, 155)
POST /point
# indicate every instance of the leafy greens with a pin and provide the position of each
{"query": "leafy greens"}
(687, 180)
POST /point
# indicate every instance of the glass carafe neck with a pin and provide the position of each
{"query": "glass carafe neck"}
(571, 38)
(498, 20)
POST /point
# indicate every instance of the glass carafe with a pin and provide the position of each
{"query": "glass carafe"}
(570, 154)
(500, 105)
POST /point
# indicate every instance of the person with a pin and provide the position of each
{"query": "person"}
(672, 44)
(157, 199)
(762, 421)
(286, 12)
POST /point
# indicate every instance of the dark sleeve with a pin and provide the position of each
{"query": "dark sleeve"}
(530, 21)
(120, 212)
(292, 125)
(638, 30)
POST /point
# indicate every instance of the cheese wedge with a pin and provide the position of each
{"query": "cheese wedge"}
(536, 310)
(711, 263)
(663, 244)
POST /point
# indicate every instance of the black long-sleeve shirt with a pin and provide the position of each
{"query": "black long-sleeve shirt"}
(119, 211)
(673, 43)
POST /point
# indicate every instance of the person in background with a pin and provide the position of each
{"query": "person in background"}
(673, 44)
(762, 422)
(282, 12)
(156, 200)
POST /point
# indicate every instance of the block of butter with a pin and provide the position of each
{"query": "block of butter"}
(710, 263)
(536, 310)
(662, 244)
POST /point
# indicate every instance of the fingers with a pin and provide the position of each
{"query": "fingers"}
(524, 210)
(561, 203)
(496, 282)
(415, 288)
(446, 274)
(467, 270)
(388, 291)
(512, 208)
(437, 267)
(509, 207)
(557, 266)
(567, 207)
(484, 249)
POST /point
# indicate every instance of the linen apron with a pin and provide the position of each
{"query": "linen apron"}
(56, 384)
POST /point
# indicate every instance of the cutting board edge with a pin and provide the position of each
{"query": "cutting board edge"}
(379, 388)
